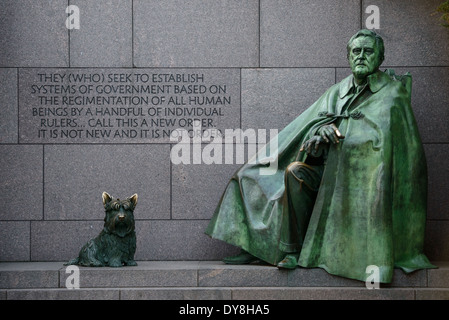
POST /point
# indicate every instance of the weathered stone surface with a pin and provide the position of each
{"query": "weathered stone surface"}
(64, 294)
(412, 32)
(197, 188)
(145, 274)
(19, 275)
(176, 294)
(196, 33)
(213, 274)
(432, 294)
(8, 105)
(14, 240)
(33, 35)
(76, 176)
(61, 240)
(202, 280)
(439, 278)
(437, 236)
(316, 277)
(438, 181)
(272, 98)
(156, 240)
(105, 35)
(178, 240)
(21, 182)
(320, 293)
(306, 33)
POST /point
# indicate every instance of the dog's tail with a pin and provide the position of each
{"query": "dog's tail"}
(72, 262)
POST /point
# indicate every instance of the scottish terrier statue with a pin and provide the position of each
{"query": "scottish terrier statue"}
(115, 246)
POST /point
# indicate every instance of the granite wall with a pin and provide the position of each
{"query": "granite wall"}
(260, 64)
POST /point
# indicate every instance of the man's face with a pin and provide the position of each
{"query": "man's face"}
(364, 57)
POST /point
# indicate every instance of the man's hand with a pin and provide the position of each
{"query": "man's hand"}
(312, 145)
(326, 134)
(330, 133)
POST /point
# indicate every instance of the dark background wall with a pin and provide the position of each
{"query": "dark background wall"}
(275, 59)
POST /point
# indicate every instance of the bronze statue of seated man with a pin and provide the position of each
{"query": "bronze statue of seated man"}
(350, 189)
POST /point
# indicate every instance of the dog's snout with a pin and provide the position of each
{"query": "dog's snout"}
(121, 217)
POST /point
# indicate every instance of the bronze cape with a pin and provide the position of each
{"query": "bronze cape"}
(370, 207)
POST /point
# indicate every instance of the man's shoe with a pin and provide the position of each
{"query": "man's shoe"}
(290, 262)
(242, 258)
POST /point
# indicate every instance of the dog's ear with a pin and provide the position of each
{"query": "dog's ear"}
(106, 198)
(133, 200)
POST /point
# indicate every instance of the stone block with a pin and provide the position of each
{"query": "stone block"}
(64, 294)
(198, 33)
(415, 279)
(145, 274)
(341, 73)
(319, 293)
(213, 274)
(178, 240)
(33, 35)
(77, 175)
(61, 240)
(105, 35)
(197, 188)
(124, 105)
(8, 105)
(306, 33)
(439, 278)
(175, 294)
(432, 294)
(156, 240)
(412, 32)
(21, 188)
(272, 98)
(435, 244)
(316, 277)
(438, 181)
(15, 241)
(19, 275)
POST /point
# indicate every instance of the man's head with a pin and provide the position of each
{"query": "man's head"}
(365, 53)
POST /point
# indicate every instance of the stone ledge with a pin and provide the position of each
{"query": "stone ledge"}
(228, 293)
(209, 280)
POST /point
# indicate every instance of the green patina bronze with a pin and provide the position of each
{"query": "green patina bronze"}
(115, 246)
(350, 189)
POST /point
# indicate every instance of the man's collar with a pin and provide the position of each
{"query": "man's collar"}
(376, 81)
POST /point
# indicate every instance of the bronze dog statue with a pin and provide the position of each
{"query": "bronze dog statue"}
(116, 244)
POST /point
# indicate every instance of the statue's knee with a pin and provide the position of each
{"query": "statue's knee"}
(294, 169)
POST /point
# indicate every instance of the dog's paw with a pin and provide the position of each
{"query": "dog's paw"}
(131, 263)
(115, 263)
